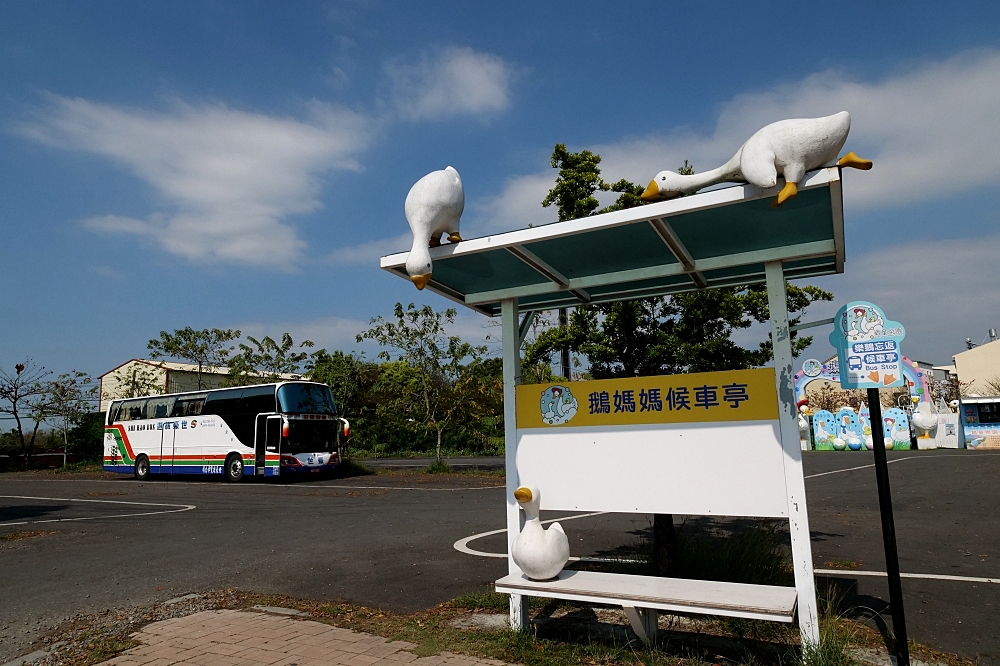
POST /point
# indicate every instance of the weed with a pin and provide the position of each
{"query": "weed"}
(439, 467)
(79, 467)
(834, 646)
(752, 555)
(349, 467)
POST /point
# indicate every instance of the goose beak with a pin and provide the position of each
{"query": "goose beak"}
(420, 280)
(522, 495)
(652, 192)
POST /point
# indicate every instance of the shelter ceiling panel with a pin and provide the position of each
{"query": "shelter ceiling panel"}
(605, 251)
(496, 269)
(755, 225)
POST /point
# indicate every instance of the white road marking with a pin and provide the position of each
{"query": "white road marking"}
(962, 579)
(177, 509)
(462, 545)
(890, 462)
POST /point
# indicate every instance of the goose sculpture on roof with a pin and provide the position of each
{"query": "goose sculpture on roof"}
(433, 207)
(540, 553)
(787, 148)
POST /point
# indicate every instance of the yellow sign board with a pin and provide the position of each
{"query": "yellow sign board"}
(734, 395)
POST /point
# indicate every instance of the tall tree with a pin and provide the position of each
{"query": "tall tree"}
(265, 360)
(69, 398)
(573, 195)
(209, 348)
(417, 337)
(24, 395)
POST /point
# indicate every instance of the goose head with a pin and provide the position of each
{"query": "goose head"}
(418, 264)
(529, 498)
(665, 185)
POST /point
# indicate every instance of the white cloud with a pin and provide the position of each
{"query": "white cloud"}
(931, 131)
(454, 81)
(941, 291)
(232, 176)
(518, 204)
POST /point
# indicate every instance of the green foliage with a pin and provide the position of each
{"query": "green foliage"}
(690, 332)
(439, 467)
(265, 360)
(579, 177)
(86, 436)
(208, 348)
(437, 377)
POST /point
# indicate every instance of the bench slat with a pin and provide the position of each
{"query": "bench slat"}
(764, 602)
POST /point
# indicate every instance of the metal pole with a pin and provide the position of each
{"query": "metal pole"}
(511, 378)
(888, 531)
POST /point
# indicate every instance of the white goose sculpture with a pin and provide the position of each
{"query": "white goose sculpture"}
(540, 553)
(433, 207)
(787, 148)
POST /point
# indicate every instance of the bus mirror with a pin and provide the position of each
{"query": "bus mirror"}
(347, 427)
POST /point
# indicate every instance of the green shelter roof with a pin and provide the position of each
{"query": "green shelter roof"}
(714, 239)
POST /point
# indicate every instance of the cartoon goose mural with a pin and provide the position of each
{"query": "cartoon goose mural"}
(433, 207)
(787, 148)
(540, 553)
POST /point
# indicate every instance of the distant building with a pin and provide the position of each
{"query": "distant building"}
(978, 366)
(155, 377)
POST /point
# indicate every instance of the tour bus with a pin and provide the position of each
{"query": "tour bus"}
(264, 430)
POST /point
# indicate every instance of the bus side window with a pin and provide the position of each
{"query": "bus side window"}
(223, 403)
(258, 400)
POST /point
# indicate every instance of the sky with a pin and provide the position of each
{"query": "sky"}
(244, 164)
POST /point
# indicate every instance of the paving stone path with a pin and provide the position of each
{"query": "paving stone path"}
(228, 638)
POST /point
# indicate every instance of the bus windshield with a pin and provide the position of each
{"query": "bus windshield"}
(305, 399)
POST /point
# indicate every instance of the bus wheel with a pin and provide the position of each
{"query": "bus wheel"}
(142, 468)
(234, 468)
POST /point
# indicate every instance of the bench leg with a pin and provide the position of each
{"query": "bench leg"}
(518, 612)
(644, 622)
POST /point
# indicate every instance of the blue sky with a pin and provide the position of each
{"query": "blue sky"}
(220, 164)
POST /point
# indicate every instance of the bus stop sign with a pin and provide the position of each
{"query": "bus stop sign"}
(868, 347)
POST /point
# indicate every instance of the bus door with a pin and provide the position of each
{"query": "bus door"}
(167, 449)
(266, 439)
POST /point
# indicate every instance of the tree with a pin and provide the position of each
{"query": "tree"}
(209, 348)
(417, 338)
(267, 361)
(24, 395)
(579, 177)
(68, 398)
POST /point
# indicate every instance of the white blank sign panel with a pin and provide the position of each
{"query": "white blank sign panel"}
(729, 469)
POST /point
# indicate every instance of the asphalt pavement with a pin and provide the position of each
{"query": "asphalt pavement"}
(386, 541)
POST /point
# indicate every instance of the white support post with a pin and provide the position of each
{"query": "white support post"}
(795, 488)
(511, 378)
(644, 623)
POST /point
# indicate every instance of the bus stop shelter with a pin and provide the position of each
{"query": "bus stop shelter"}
(720, 238)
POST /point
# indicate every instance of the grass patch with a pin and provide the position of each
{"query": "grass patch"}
(439, 467)
(105, 647)
(79, 467)
(845, 564)
(348, 468)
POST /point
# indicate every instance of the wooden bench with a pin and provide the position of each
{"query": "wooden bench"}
(643, 596)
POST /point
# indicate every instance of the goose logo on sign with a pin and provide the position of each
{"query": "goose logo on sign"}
(867, 347)
(558, 405)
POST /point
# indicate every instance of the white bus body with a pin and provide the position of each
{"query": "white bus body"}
(263, 430)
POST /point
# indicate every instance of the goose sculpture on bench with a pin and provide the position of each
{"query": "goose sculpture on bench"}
(787, 148)
(540, 553)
